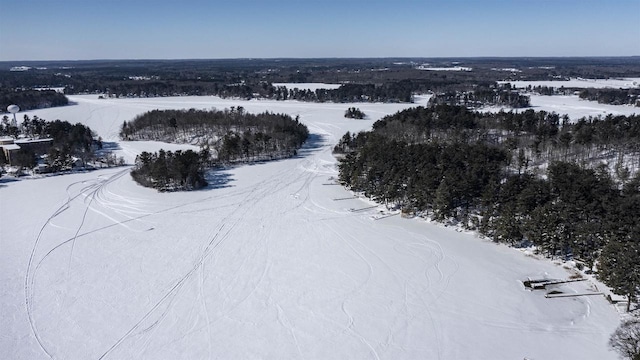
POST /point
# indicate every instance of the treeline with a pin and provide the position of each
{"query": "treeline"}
(391, 92)
(233, 134)
(426, 161)
(354, 89)
(158, 88)
(482, 96)
(31, 99)
(550, 90)
(612, 96)
(532, 138)
(171, 171)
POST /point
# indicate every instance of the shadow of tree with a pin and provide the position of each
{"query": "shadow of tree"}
(314, 143)
(110, 146)
(217, 179)
(5, 180)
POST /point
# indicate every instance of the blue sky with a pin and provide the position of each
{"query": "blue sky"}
(174, 29)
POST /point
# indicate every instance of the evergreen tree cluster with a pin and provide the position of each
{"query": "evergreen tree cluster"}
(389, 93)
(33, 127)
(233, 133)
(482, 96)
(532, 138)
(439, 161)
(156, 88)
(612, 96)
(77, 137)
(445, 178)
(354, 113)
(545, 90)
(31, 99)
(550, 90)
(171, 171)
(69, 141)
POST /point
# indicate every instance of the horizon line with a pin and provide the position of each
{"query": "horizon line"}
(337, 58)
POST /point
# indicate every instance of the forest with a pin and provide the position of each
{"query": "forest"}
(368, 80)
(226, 137)
(171, 171)
(233, 134)
(393, 92)
(31, 99)
(478, 170)
(612, 96)
(501, 95)
(388, 93)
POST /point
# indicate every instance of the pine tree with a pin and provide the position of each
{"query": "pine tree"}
(619, 267)
(507, 227)
(443, 202)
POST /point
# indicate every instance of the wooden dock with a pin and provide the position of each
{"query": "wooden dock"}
(551, 296)
(541, 284)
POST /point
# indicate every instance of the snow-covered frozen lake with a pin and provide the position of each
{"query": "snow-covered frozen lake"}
(572, 106)
(623, 83)
(271, 261)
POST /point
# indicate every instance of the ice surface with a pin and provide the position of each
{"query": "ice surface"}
(264, 263)
(572, 106)
(624, 83)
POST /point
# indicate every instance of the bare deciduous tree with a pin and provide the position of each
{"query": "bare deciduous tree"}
(626, 339)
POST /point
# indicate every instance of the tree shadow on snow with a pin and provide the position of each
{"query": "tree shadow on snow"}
(110, 146)
(5, 180)
(314, 143)
(217, 179)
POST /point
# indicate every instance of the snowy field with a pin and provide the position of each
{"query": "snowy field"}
(571, 105)
(271, 261)
(625, 83)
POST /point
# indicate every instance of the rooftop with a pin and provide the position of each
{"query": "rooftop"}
(31, 141)
(10, 147)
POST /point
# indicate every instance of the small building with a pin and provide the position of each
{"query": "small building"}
(10, 151)
(10, 147)
(6, 140)
(38, 146)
